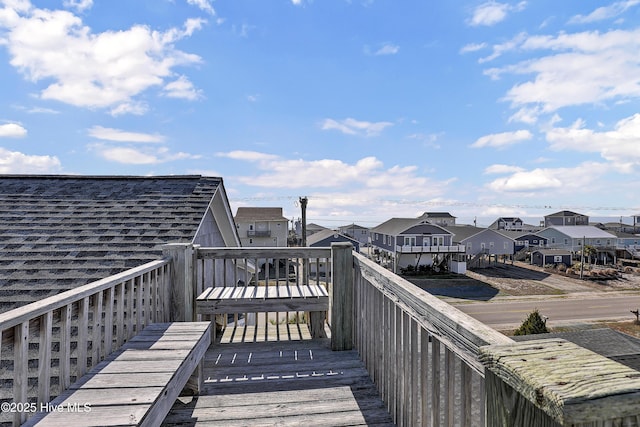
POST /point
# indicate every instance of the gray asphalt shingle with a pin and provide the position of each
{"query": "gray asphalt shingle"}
(60, 232)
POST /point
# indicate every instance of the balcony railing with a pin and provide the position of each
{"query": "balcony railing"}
(258, 233)
(411, 249)
(431, 363)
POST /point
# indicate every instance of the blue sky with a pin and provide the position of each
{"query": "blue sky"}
(371, 108)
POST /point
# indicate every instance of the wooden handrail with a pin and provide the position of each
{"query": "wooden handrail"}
(36, 309)
(121, 304)
(457, 329)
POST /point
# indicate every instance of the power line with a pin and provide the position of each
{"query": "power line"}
(444, 204)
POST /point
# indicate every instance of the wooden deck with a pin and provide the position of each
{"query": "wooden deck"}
(251, 380)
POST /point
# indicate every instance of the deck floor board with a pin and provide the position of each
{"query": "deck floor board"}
(285, 383)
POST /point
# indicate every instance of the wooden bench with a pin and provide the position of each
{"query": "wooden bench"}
(139, 383)
(311, 298)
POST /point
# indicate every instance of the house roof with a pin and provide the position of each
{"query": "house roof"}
(395, 226)
(580, 231)
(564, 214)
(436, 215)
(60, 232)
(259, 214)
(516, 235)
(552, 252)
(463, 232)
(326, 234)
(352, 227)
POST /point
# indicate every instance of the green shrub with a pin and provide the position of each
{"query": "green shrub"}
(534, 324)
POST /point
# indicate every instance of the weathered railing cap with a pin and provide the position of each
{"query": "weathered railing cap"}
(568, 382)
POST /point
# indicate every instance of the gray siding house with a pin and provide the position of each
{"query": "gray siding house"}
(61, 232)
(565, 218)
(572, 238)
(542, 257)
(357, 232)
(481, 243)
(402, 242)
(258, 226)
(507, 223)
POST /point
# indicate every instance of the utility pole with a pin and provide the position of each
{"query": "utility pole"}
(305, 263)
(582, 258)
(303, 205)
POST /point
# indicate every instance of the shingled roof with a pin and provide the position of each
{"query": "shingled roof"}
(60, 232)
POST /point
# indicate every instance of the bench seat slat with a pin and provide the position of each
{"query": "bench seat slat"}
(138, 384)
(264, 299)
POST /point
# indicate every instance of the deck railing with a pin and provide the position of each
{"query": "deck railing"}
(47, 345)
(265, 267)
(432, 364)
(422, 353)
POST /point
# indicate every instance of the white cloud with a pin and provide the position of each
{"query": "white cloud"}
(527, 115)
(12, 130)
(504, 139)
(351, 126)
(135, 108)
(296, 2)
(80, 5)
(492, 12)
(605, 12)
(620, 146)
(13, 162)
(473, 47)
(572, 181)
(182, 88)
(581, 68)
(138, 156)
(500, 48)
(93, 70)
(205, 5)
(387, 49)
(117, 135)
(502, 169)
(365, 184)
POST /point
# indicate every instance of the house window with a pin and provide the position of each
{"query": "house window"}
(566, 241)
(469, 245)
(410, 241)
(250, 227)
(491, 244)
(598, 241)
(553, 240)
(250, 241)
(534, 242)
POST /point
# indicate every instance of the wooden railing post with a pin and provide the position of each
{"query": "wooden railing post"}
(341, 296)
(553, 383)
(182, 292)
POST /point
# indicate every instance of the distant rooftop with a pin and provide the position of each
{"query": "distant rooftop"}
(259, 214)
(60, 232)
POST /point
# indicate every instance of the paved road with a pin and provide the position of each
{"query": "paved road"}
(558, 310)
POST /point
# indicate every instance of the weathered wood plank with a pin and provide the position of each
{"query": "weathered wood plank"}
(133, 386)
(21, 363)
(38, 308)
(263, 253)
(557, 377)
(342, 296)
(453, 328)
(283, 383)
(44, 358)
